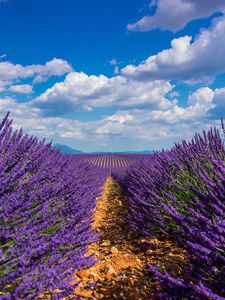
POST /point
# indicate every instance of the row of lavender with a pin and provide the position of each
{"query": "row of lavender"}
(46, 203)
(110, 161)
(181, 194)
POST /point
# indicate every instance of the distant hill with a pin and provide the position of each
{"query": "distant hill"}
(67, 149)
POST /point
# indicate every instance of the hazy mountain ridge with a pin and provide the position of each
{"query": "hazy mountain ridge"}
(69, 150)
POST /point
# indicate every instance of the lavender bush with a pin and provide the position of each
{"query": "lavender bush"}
(181, 193)
(46, 204)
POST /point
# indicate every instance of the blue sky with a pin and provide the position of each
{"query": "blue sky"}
(113, 75)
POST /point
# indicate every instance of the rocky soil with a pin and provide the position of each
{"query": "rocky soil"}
(122, 269)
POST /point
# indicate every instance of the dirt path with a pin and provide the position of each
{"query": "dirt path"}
(122, 271)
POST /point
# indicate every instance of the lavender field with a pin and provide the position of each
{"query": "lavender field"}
(112, 150)
(48, 198)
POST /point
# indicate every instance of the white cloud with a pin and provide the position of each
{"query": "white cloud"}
(21, 88)
(31, 120)
(116, 70)
(203, 96)
(200, 60)
(3, 85)
(19, 110)
(12, 72)
(174, 94)
(144, 111)
(113, 126)
(219, 104)
(55, 67)
(150, 125)
(120, 118)
(113, 62)
(80, 91)
(172, 124)
(175, 14)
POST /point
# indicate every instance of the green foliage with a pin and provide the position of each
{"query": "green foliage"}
(50, 229)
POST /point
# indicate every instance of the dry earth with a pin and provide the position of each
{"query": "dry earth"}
(122, 269)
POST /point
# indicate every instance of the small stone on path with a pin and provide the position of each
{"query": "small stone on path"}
(114, 250)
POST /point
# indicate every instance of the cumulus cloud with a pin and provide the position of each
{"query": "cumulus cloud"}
(218, 109)
(199, 103)
(21, 88)
(39, 73)
(156, 126)
(80, 91)
(200, 60)
(144, 111)
(203, 96)
(3, 86)
(115, 125)
(18, 110)
(55, 67)
(157, 120)
(174, 123)
(175, 14)
(31, 120)
(120, 118)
